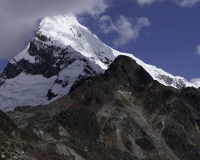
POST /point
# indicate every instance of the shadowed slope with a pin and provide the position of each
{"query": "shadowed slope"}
(122, 114)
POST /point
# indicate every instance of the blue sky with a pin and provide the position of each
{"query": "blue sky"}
(169, 42)
(167, 37)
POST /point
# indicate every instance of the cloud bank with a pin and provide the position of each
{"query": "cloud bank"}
(126, 28)
(182, 3)
(19, 19)
(186, 3)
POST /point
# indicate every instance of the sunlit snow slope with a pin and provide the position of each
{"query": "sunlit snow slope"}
(61, 55)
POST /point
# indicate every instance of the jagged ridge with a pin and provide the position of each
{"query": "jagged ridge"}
(61, 55)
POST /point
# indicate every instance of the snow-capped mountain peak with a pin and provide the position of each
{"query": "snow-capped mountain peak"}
(66, 30)
(61, 56)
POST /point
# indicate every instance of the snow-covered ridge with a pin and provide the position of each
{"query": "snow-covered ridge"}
(66, 30)
(62, 54)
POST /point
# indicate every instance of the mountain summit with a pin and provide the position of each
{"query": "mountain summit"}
(62, 55)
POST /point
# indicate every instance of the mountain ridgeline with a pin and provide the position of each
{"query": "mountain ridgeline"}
(123, 114)
(70, 96)
(62, 55)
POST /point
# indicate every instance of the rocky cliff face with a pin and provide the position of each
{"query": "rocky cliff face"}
(61, 56)
(122, 114)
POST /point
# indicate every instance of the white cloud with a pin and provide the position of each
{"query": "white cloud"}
(106, 24)
(126, 28)
(198, 50)
(19, 18)
(186, 3)
(146, 2)
(182, 3)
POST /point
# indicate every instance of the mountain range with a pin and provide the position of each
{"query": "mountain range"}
(68, 96)
(62, 55)
(122, 114)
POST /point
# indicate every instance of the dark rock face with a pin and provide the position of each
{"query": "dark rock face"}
(7, 126)
(50, 94)
(175, 137)
(125, 72)
(122, 114)
(96, 93)
(80, 121)
(45, 60)
(13, 140)
(145, 144)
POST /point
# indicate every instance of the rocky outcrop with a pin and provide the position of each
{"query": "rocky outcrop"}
(122, 114)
